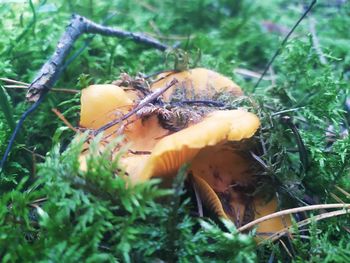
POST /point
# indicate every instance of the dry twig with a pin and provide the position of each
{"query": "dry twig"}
(65, 121)
(304, 223)
(284, 42)
(292, 211)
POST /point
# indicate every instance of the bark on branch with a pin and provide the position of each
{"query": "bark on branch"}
(78, 25)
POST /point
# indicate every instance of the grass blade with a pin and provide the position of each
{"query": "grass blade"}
(7, 108)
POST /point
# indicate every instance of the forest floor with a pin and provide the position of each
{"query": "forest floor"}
(50, 211)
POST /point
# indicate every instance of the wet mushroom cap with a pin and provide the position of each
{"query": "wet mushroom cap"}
(101, 104)
(195, 83)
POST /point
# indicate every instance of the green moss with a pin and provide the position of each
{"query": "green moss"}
(51, 211)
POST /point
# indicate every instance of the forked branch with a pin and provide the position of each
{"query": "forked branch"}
(78, 25)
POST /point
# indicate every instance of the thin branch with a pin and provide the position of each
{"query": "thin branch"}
(285, 111)
(79, 25)
(249, 73)
(336, 198)
(304, 223)
(205, 102)
(286, 249)
(291, 211)
(43, 199)
(14, 81)
(283, 43)
(72, 91)
(15, 87)
(19, 126)
(259, 160)
(65, 121)
(148, 99)
(303, 156)
(33, 153)
(343, 191)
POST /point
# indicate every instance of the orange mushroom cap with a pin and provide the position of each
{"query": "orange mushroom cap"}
(101, 104)
(194, 83)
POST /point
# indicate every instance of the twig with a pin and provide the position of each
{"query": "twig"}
(259, 160)
(73, 91)
(283, 43)
(249, 73)
(78, 25)
(285, 111)
(272, 76)
(315, 41)
(172, 37)
(139, 152)
(343, 191)
(34, 153)
(336, 198)
(304, 223)
(14, 81)
(286, 249)
(65, 121)
(39, 200)
(301, 146)
(18, 127)
(205, 102)
(15, 87)
(148, 99)
(291, 211)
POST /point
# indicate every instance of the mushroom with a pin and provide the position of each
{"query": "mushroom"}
(220, 171)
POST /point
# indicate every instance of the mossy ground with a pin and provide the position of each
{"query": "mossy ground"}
(52, 212)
